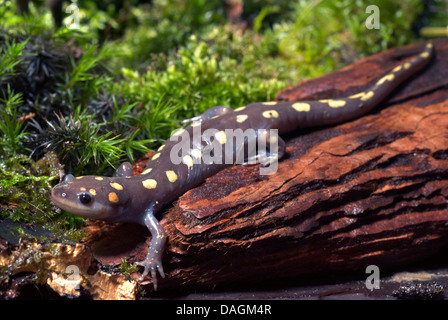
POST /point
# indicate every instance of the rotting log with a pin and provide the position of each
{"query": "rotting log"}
(370, 191)
(57, 270)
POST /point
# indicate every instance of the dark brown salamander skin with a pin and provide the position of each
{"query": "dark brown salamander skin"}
(170, 173)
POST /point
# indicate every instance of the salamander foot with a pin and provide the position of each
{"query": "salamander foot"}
(153, 261)
(152, 264)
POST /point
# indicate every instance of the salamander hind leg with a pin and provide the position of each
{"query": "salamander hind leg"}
(153, 261)
(124, 170)
(266, 147)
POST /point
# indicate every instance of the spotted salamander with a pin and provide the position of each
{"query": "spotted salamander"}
(137, 199)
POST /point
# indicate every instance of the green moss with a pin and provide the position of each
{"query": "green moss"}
(330, 34)
(127, 268)
(196, 78)
(95, 102)
(24, 190)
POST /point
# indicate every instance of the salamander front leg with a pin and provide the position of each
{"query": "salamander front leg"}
(153, 261)
(209, 113)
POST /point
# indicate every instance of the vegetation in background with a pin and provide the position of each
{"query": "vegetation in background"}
(120, 84)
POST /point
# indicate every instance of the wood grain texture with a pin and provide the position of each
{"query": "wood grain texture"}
(370, 191)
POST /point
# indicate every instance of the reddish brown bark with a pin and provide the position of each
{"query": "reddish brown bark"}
(370, 191)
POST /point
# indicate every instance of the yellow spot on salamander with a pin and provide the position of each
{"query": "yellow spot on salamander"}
(240, 108)
(146, 171)
(424, 54)
(188, 161)
(407, 65)
(241, 118)
(161, 147)
(80, 177)
(367, 96)
(270, 103)
(388, 77)
(82, 189)
(429, 45)
(398, 68)
(221, 137)
(270, 114)
(178, 132)
(171, 175)
(92, 192)
(336, 103)
(196, 153)
(149, 183)
(154, 157)
(358, 95)
(301, 106)
(113, 197)
(99, 178)
(116, 186)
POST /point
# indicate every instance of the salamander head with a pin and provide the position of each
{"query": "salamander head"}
(92, 197)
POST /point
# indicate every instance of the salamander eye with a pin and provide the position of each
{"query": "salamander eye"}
(85, 197)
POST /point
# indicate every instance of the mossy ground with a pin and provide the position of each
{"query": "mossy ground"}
(116, 86)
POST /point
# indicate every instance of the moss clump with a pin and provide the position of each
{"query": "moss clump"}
(24, 189)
